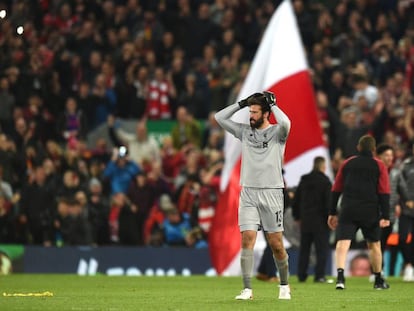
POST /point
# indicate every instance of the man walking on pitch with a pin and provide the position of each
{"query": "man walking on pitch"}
(310, 209)
(364, 184)
(261, 198)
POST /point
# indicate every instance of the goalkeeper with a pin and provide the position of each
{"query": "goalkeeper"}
(261, 201)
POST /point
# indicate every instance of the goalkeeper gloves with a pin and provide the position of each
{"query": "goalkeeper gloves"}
(270, 99)
(243, 103)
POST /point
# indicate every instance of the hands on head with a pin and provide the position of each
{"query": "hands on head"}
(269, 97)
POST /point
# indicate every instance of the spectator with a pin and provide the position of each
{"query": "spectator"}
(123, 221)
(208, 195)
(72, 226)
(192, 97)
(363, 88)
(86, 103)
(7, 102)
(305, 22)
(229, 76)
(188, 196)
(72, 122)
(385, 63)
(120, 171)
(153, 227)
(406, 219)
(150, 27)
(176, 227)
(227, 42)
(202, 30)
(98, 212)
(37, 206)
(5, 187)
(132, 92)
(212, 135)
(9, 160)
(161, 91)
(103, 101)
(186, 130)
(196, 238)
(142, 148)
(141, 196)
(53, 176)
(350, 45)
(336, 88)
(386, 154)
(158, 181)
(93, 67)
(16, 85)
(7, 231)
(99, 156)
(39, 118)
(70, 184)
(210, 59)
(165, 49)
(348, 129)
(55, 152)
(24, 136)
(172, 159)
(178, 71)
(190, 169)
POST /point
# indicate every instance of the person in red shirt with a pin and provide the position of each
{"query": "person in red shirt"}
(363, 183)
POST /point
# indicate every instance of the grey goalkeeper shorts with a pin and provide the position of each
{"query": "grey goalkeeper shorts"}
(261, 209)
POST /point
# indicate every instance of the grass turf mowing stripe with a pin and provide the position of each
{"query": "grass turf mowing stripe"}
(71, 292)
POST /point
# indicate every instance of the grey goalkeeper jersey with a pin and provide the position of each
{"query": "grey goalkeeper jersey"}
(262, 149)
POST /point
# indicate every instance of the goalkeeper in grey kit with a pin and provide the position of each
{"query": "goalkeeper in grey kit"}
(261, 200)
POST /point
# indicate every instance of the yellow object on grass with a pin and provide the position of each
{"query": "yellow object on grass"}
(44, 294)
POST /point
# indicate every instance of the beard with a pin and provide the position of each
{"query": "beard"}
(256, 124)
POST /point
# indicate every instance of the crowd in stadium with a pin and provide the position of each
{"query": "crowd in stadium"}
(68, 67)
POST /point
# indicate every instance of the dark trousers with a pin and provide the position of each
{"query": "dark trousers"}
(406, 226)
(385, 233)
(267, 264)
(321, 242)
(38, 234)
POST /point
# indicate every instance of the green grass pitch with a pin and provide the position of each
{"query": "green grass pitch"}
(71, 292)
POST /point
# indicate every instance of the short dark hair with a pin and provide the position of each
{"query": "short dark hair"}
(259, 99)
(318, 162)
(383, 147)
(367, 143)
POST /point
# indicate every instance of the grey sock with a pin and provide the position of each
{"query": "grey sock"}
(283, 268)
(246, 262)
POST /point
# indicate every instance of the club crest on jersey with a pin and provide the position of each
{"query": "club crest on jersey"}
(258, 144)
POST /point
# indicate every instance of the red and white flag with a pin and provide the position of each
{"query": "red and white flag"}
(279, 66)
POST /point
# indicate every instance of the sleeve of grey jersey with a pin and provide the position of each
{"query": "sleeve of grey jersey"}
(282, 119)
(223, 118)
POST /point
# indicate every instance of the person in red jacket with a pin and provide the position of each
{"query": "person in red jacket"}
(363, 183)
(153, 224)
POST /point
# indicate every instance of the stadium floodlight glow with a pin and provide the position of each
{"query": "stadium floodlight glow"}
(20, 30)
(3, 13)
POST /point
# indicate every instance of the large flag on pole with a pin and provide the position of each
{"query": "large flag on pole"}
(279, 66)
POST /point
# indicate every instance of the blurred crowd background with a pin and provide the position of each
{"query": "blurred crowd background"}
(70, 67)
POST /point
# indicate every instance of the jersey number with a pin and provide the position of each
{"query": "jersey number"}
(279, 218)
